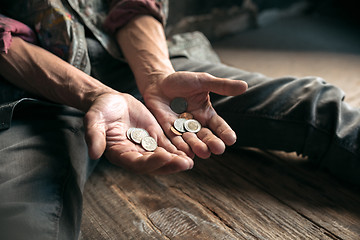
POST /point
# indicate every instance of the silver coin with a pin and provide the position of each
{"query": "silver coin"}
(192, 125)
(128, 133)
(149, 143)
(137, 134)
(179, 125)
(179, 105)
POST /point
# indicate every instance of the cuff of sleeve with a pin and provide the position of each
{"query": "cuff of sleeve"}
(123, 11)
(9, 28)
(5, 41)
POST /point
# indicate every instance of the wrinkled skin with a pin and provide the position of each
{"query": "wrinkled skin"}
(194, 87)
(106, 124)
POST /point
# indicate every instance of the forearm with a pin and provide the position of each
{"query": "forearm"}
(42, 73)
(144, 45)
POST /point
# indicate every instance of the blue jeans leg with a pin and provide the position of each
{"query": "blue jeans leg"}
(43, 169)
(303, 115)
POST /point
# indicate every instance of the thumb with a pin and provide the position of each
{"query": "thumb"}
(95, 135)
(222, 86)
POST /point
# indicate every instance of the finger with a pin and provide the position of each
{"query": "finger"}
(176, 164)
(165, 143)
(198, 147)
(142, 163)
(157, 133)
(222, 86)
(178, 141)
(95, 136)
(222, 129)
(215, 144)
(173, 149)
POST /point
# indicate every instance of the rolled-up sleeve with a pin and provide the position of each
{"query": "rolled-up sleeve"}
(122, 11)
(10, 28)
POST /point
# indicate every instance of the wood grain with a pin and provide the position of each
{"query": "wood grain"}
(242, 195)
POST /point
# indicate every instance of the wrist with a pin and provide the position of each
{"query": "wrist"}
(152, 79)
(91, 90)
(143, 44)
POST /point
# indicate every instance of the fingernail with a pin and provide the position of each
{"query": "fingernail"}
(190, 163)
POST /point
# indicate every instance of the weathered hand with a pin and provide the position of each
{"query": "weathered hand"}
(106, 123)
(195, 88)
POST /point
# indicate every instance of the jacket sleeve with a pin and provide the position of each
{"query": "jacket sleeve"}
(122, 11)
(9, 28)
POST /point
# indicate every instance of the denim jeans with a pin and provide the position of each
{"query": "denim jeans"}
(43, 156)
(303, 115)
(43, 169)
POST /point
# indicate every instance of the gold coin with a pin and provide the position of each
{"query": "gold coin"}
(176, 132)
(186, 115)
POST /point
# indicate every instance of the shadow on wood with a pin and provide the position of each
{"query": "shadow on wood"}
(245, 194)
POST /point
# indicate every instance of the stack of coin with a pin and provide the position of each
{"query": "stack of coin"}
(185, 122)
(142, 137)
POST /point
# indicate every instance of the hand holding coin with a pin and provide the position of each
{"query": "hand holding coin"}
(185, 122)
(141, 136)
(168, 98)
(115, 126)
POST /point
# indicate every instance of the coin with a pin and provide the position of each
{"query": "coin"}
(192, 125)
(179, 124)
(186, 115)
(128, 133)
(149, 143)
(176, 132)
(137, 134)
(178, 105)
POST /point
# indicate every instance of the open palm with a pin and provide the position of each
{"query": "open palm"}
(106, 124)
(195, 88)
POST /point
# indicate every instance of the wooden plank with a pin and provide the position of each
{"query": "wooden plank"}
(314, 194)
(250, 212)
(110, 215)
(117, 197)
(209, 202)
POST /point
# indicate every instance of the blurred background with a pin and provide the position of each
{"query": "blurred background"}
(280, 37)
(218, 18)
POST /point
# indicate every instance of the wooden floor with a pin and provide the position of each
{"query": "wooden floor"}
(243, 194)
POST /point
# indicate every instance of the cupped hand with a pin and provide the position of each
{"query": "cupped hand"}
(194, 87)
(106, 124)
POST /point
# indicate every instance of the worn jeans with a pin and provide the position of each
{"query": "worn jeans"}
(43, 156)
(303, 115)
(43, 168)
